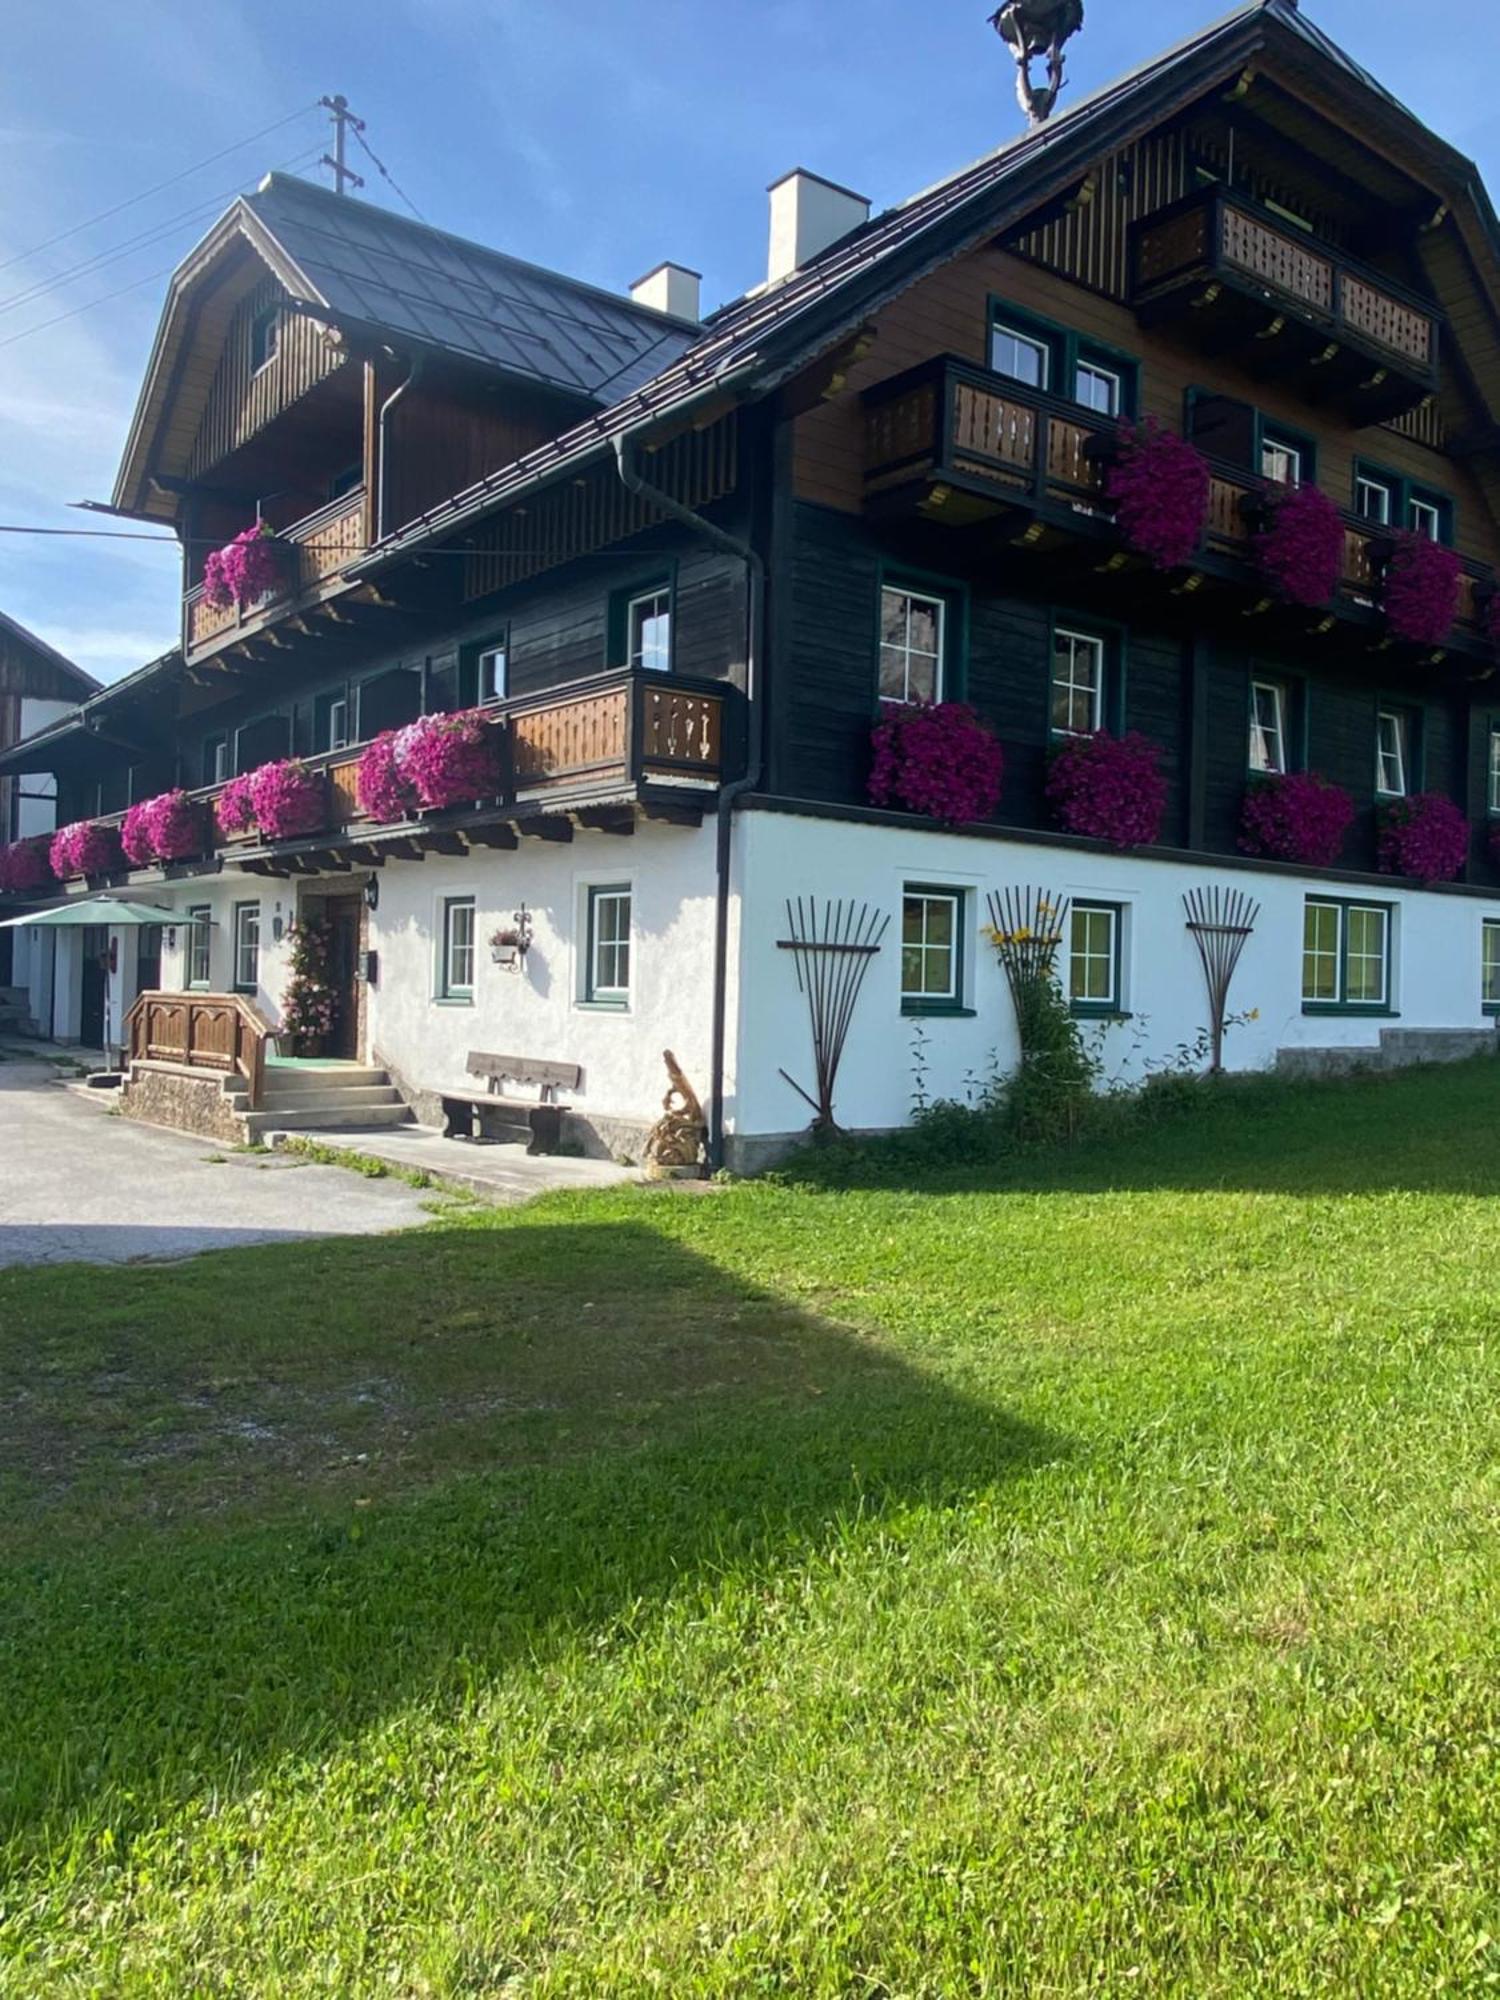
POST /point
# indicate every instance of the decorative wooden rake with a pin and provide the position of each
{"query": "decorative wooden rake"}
(832, 949)
(1221, 921)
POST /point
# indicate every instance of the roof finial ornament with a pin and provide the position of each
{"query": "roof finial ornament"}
(1033, 28)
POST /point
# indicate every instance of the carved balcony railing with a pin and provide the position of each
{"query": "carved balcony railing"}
(959, 443)
(221, 1034)
(1234, 277)
(313, 554)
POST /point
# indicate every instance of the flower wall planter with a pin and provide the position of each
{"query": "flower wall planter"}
(1300, 545)
(936, 758)
(1296, 816)
(437, 761)
(1159, 485)
(244, 570)
(1425, 836)
(1105, 787)
(25, 867)
(170, 827)
(1420, 591)
(84, 848)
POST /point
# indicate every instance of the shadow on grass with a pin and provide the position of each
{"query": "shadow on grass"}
(1429, 1130)
(651, 1422)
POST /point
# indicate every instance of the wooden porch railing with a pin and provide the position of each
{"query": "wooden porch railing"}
(219, 1033)
(315, 549)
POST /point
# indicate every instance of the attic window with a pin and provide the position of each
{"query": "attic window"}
(265, 336)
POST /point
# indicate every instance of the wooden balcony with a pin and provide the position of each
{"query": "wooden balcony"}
(1236, 280)
(957, 443)
(314, 552)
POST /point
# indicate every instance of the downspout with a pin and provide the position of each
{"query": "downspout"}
(413, 374)
(755, 597)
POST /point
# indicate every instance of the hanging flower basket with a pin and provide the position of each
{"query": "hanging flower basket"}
(85, 848)
(1300, 546)
(1160, 486)
(936, 758)
(135, 836)
(1105, 787)
(449, 760)
(1420, 593)
(243, 570)
(1425, 836)
(1298, 816)
(25, 867)
(234, 809)
(382, 791)
(287, 799)
(178, 828)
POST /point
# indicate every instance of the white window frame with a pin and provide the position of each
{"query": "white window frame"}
(491, 684)
(340, 735)
(1489, 965)
(928, 895)
(1342, 957)
(1268, 751)
(904, 651)
(1113, 914)
(1425, 517)
(648, 606)
(457, 953)
(607, 961)
(247, 947)
(1291, 453)
(1495, 770)
(1069, 685)
(1115, 405)
(1365, 486)
(198, 919)
(1032, 342)
(1398, 752)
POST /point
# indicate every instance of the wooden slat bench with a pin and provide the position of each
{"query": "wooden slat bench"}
(463, 1110)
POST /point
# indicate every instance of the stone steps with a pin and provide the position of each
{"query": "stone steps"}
(343, 1097)
(1398, 1048)
(324, 1118)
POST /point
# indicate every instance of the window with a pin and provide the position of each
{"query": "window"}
(1495, 770)
(456, 972)
(265, 336)
(1346, 955)
(1392, 752)
(1098, 388)
(648, 631)
(1425, 517)
(1094, 958)
(931, 950)
(494, 673)
(607, 971)
(338, 723)
(912, 636)
(1372, 500)
(1280, 459)
(216, 760)
(246, 947)
(1490, 964)
(1268, 727)
(1021, 356)
(199, 954)
(1077, 683)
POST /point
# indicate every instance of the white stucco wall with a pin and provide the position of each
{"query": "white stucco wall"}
(1435, 963)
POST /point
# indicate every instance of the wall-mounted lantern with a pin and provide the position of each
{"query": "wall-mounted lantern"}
(372, 892)
(510, 944)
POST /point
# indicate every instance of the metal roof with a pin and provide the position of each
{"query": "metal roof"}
(368, 266)
(56, 677)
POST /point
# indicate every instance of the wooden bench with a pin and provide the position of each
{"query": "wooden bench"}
(463, 1111)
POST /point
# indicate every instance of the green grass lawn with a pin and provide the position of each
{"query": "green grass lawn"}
(1080, 1583)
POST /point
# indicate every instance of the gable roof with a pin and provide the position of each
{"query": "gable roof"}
(29, 667)
(373, 273)
(759, 342)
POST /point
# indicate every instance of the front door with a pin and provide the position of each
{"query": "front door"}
(148, 959)
(95, 971)
(342, 914)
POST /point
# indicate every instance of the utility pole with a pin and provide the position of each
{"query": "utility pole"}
(342, 116)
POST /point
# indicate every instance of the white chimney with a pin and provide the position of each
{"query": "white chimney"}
(807, 214)
(670, 288)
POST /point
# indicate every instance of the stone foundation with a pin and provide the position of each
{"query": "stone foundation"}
(1398, 1048)
(184, 1099)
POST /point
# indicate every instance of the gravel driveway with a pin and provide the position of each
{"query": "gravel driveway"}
(77, 1185)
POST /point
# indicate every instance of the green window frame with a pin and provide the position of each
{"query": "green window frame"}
(934, 921)
(607, 945)
(198, 947)
(457, 949)
(1493, 790)
(1271, 437)
(921, 637)
(1071, 366)
(1078, 679)
(1408, 503)
(1395, 751)
(648, 629)
(1095, 932)
(265, 338)
(1346, 957)
(247, 947)
(1489, 964)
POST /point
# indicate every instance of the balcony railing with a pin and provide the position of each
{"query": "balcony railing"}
(1229, 272)
(219, 1033)
(314, 552)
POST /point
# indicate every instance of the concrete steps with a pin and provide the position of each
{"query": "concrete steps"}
(1397, 1049)
(347, 1097)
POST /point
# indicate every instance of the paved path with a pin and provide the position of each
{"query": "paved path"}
(77, 1185)
(505, 1174)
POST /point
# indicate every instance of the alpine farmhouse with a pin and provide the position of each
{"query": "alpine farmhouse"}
(682, 566)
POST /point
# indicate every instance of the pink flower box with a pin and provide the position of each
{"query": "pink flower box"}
(1300, 549)
(25, 867)
(287, 799)
(244, 570)
(1159, 485)
(1296, 816)
(1425, 836)
(1105, 787)
(1420, 593)
(437, 761)
(937, 758)
(85, 848)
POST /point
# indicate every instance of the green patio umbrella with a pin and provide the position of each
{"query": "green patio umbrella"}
(94, 912)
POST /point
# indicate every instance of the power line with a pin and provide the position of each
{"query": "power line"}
(211, 541)
(171, 181)
(385, 172)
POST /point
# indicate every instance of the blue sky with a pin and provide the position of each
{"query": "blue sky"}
(598, 136)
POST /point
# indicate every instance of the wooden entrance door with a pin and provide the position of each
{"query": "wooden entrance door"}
(94, 971)
(342, 914)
